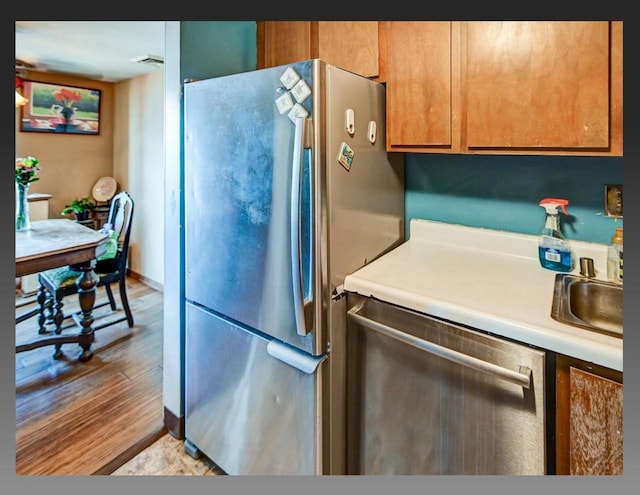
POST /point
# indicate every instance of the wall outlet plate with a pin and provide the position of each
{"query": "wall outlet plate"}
(613, 200)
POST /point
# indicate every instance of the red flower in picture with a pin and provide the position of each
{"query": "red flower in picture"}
(67, 97)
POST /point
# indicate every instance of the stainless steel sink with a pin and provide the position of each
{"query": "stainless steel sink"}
(588, 303)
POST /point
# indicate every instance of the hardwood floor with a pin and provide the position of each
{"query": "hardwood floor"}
(75, 418)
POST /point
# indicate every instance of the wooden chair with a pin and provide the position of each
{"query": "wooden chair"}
(58, 283)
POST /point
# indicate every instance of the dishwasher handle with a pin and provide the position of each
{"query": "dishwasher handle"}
(522, 378)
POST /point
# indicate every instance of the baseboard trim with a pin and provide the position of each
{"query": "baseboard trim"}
(174, 424)
(131, 452)
(145, 280)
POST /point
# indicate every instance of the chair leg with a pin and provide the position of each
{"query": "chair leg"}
(57, 353)
(58, 315)
(44, 303)
(122, 286)
(112, 301)
(50, 308)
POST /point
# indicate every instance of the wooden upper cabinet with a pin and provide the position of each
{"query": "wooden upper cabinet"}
(351, 45)
(423, 92)
(283, 42)
(538, 84)
(505, 87)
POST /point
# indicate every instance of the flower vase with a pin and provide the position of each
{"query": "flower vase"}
(67, 114)
(23, 222)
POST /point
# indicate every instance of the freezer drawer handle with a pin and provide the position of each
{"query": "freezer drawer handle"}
(293, 357)
(522, 378)
(302, 324)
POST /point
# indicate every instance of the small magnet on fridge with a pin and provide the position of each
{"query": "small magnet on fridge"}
(349, 121)
(301, 91)
(297, 111)
(372, 132)
(284, 103)
(345, 156)
(289, 78)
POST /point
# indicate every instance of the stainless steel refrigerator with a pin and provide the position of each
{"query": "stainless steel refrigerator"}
(288, 188)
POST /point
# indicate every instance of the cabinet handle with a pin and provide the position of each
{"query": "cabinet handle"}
(522, 378)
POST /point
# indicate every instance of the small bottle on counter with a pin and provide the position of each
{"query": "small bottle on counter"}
(615, 258)
(554, 251)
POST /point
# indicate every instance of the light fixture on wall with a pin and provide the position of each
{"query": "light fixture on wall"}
(20, 100)
(20, 73)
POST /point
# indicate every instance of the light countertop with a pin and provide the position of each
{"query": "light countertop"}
(487, 279)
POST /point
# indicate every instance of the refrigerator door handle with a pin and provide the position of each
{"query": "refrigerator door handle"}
(303, 325)
(294, 357)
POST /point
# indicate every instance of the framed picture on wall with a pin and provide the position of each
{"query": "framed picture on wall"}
(61, 109)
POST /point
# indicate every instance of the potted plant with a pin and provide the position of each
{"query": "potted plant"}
(80, 208)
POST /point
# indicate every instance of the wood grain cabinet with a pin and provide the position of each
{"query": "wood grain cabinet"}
(504, 87)
(589, 419)
(351, 45)
(423, 86)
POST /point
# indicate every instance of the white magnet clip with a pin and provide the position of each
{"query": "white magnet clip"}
(284, 103)
(372, 133)
(349, 121)
(289, 78)
(301, 91)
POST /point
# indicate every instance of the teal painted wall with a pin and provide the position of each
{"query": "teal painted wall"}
(193, 50)
(498, 192)
(217, 48)
(502, 192)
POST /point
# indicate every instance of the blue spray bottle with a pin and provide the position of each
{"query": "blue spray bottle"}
(553, 249)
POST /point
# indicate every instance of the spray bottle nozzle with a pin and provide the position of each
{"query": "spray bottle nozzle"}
(551, 205)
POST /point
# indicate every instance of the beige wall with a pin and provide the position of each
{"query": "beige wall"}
(138, 166)
(70, 163)
(129, 148)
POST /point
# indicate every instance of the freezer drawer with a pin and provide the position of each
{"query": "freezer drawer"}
(430, 397)
(246, 410)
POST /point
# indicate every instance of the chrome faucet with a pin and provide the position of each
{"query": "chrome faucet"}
(586, 268)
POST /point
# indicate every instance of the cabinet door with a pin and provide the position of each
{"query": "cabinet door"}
(595, 424)
(351, 45)
(538, 85)
(423, 92)
(283, 42)
(589, 416)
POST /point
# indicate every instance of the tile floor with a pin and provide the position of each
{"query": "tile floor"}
(166, 457)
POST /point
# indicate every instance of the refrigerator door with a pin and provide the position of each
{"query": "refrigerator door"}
(246, 409)
(365, 199)
(240, 174)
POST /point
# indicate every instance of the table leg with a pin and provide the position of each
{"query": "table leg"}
(87, 295)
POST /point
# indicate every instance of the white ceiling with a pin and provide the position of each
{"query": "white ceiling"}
(100, 50)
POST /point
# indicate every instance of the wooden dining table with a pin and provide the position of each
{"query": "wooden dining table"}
(55, 243)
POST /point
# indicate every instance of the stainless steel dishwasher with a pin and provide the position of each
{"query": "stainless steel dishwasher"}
(427, 397)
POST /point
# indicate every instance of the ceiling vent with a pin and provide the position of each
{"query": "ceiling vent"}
(21, 68)
(21, 64)
(149, 60)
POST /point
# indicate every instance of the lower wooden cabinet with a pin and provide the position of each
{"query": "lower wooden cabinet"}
(589, 419)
